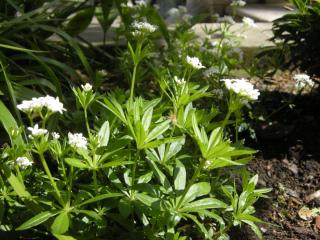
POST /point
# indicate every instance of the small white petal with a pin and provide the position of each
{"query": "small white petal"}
(77, 140)
(194, 62)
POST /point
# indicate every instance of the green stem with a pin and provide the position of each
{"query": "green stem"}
(192, 181)
(134, 167)
(95, 183)
(87, 122)
(133, 80)
(53, 183)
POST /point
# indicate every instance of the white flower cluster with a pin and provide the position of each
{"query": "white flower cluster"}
(194, 62)
(226, 19)
(178, 14)
(36, 131)
(23, 162)
(141, 28)
(87, 87)
(238, 3)
(249, 22)
(36, 104)
(302, 81)
(55, 135)
(242, 87)
(179, 81)
(77, 140)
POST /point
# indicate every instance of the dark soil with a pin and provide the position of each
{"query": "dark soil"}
(289, 162)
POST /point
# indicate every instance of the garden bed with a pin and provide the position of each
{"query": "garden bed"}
(289, 162)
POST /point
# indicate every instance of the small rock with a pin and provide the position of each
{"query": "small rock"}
(305, 214)
(291, 166)
(312, 196)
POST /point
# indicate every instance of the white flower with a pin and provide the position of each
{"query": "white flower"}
(36, 131)
(173, 12)
(182, 9)
(238, 3)
(194, 62)
(77, 140)
(142, 27)
(226, 19)
(87, 87)
(103, 72)
(127, 5)
(211, 72)
(302, 81)
(36, 104)
(141, 3)
(23, 162)
(55, 135)
(53, 104)
(242, 87)
(179, 81)
(249, 22)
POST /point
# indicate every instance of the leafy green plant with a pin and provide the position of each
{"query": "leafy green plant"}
(143, 168)
(297, 33)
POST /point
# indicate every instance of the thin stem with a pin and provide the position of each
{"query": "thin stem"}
(134, 167)
(53, 183)
(133, 80)
(87, 122)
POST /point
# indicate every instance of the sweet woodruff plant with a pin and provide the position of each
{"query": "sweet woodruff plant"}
(144, 168)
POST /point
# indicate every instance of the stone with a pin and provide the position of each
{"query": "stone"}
(262, 12)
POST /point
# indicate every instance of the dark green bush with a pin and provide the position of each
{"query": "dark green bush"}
(299, 33)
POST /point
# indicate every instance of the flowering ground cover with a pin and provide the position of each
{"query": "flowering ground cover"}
(151, 140)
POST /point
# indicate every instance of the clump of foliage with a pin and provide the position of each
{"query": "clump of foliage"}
(144, 168)
(298, 33)
(162, 160)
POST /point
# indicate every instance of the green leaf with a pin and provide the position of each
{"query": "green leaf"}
(162, 178)
(100, 197)
(197, 190)
(161, 141)
(254, 228)
(116, 163)
(80, 22)
(104, 134)
(223, 162)
(200, 225)
(146, 199)
(91, 214)
(37, 220)
(17, 186)
(206, 203)
(64, 237)
(76, 163)
(19, 49)
(215, 137)
(124, 207)
(146, 119)
(113, 106)
(158, 130)
(145, 178)
(214, 216)
(2, 210)
(60, 224)
(248, 217)
(179, 176)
